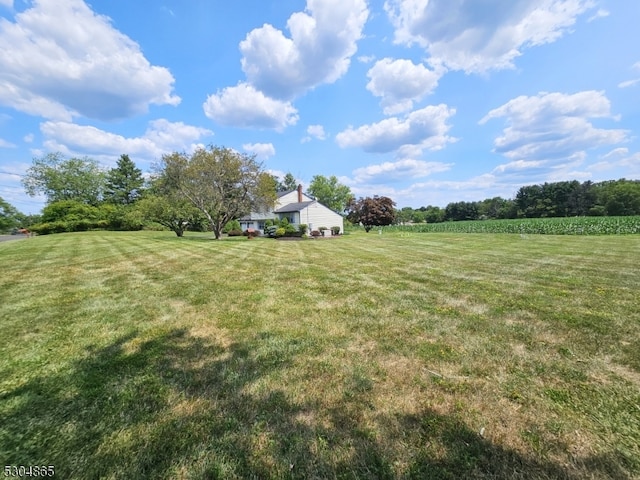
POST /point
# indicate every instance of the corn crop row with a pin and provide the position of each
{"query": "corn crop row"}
(544, 226)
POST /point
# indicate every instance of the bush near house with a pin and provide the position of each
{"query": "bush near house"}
(284, 229)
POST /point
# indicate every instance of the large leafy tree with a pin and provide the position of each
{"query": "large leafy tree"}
(10, 217)
(59, 178)
(372, 212)
(222, 183)
(330, 192)
(124, 182)
(175, 213)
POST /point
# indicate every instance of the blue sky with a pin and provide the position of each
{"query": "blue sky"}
(425, 101)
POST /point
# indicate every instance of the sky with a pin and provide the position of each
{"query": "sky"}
(425, 101)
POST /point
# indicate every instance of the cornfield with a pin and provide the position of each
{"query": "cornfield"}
(544, 226)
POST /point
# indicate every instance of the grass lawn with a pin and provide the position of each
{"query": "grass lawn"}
(404, 355)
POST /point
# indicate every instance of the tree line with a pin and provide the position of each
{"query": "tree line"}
(555, 199)
(205, 190)
(213, 186)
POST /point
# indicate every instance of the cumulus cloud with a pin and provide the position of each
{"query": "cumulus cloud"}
(480, 36)
(619, 158)
(319, 50)
(279, 68)
(422, 129)
(244, 106)
(261, 150)
(52, 70)
(553, 126)
(314, 131)
(400, 170)
(400, 83)
(161, 137)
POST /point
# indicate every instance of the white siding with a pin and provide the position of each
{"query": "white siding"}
(291, 197)
(317, 215)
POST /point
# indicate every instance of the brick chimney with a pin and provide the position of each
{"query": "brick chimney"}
(299, 193)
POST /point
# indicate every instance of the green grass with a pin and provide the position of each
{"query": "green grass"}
(404, 355)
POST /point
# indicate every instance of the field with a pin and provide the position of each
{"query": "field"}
(401, 355)
(525, 226)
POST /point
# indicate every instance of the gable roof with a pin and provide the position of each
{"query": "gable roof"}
(282, 194)
(287, 192)
(293, 207)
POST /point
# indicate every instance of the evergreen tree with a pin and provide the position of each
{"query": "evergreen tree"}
(124, 182)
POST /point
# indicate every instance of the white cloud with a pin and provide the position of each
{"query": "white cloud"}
(399, 170)
(314, 131)
(366, 58)
(619, 158)
(323, 40)
(317, 131)
(261, 150)
(553, 126)
(6, 144)
(601, 13)
(160, 137)
(28, 138)
(7, 3)
(244, 106)
(60, 59)
(422, 129)
(400, 83)
(631, 83)
(616, 152)
(480, 36)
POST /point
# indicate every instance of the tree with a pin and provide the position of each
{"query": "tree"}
(58, 178)
(288, 183)
(433, 214)
(619, 197)
(124, 182)
(10, 217)
(222, 183)
(404, 215)
(330, 192)
(372, 212)
(174, 212)
(457, 211)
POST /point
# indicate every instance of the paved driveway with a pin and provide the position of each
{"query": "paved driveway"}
(4, 238)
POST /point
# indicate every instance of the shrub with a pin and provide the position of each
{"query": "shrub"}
(231, 225)
(322, 229)
(235, 233)
(46, 228)
(80, 225)
(280, 232)
(302, 229)
(270, 231)
(251, 233)
(290, 230)
(335, 230)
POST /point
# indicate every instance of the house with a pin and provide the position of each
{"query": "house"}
(297, 207)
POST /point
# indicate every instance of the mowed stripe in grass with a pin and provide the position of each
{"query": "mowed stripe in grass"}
(408, 355)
